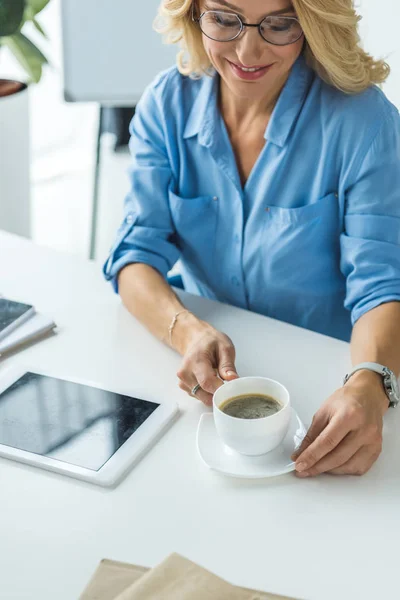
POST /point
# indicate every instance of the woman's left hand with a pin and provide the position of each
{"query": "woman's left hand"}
(345, 436)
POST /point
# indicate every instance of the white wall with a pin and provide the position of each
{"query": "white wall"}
(111, 49)
(379, 29)
(63, 140)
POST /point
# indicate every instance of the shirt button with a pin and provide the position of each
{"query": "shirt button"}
(237, 239)
(267, 209)
(129, 219)
(235, 281)
(215, 198)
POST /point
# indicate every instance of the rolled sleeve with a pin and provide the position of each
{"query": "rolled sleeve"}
(147, 234)
(370, 242)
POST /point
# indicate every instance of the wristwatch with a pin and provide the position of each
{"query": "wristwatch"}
(390, 383)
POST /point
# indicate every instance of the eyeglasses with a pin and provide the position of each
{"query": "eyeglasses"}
(222, 26)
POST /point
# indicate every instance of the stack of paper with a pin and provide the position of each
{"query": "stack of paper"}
(20, 324)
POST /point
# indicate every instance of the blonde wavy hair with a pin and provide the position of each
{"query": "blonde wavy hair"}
(332, 42)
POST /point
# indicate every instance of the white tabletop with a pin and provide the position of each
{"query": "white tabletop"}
(319, 539)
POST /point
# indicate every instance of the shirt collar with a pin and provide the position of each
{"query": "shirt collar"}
(205, 112)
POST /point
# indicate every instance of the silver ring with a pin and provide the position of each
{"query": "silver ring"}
(195, 389)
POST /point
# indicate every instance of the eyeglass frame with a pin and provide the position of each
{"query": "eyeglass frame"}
(243, 26)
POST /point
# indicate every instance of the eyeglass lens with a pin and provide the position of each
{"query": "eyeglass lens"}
(223, 27)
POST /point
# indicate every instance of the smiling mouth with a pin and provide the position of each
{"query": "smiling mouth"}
(249, 69)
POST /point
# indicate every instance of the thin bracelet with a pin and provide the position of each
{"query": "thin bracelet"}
(173, 323)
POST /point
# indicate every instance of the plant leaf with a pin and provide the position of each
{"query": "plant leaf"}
(11, 15)
(28, 55)
(29, 15)
(39, 28)
(36, 6)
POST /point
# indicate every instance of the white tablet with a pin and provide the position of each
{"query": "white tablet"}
(76, 428)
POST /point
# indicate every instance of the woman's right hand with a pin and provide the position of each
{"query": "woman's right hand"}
(209, 358)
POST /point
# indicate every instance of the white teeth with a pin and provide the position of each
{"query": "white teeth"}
(250, 70)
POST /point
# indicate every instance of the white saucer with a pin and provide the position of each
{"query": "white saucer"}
(219, 457)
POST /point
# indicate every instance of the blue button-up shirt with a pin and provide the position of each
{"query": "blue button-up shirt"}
(312, 238)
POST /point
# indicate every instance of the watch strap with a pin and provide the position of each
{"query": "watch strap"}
(370, 366)
(389, 380)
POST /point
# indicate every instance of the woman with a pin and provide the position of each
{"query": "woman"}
(268, 162)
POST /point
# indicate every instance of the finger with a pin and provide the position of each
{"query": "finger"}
(206, 376)
(360, 463)
(226, 363)
(327, 441)
(186, 377)
(189, 380)
(318, 424)
(201, 395)
(345, 450)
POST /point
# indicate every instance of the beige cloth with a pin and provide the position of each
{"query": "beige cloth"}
(176, 578)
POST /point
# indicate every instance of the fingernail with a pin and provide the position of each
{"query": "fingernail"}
(301, 467)
(303, 474)
(229, 373)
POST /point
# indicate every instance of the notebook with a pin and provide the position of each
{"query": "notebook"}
(12, 315)
(36, 327)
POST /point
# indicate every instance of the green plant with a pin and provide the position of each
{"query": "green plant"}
(13, 16)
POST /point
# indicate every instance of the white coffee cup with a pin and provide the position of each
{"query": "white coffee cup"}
(252, 436)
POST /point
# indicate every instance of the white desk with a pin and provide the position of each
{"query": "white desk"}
(321, 539)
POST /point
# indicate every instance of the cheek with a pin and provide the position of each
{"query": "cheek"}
(215, 51)
(288, 54)
(294, 50)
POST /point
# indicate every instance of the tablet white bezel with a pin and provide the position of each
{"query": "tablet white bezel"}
(122, 460)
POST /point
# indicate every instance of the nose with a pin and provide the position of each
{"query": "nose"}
(250, 46)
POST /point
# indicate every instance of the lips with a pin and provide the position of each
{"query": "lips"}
(249, 68)
(249, 73)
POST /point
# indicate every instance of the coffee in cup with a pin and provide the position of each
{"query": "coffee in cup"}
(251, 406)
(252, 414)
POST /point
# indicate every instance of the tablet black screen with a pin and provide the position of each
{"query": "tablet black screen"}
(71, 422)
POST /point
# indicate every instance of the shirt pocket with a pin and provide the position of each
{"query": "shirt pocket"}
(302, 246)
(325, 208)
(195, 223)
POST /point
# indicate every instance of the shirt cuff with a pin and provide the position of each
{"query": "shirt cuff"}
(361, 309)
(111, 269)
